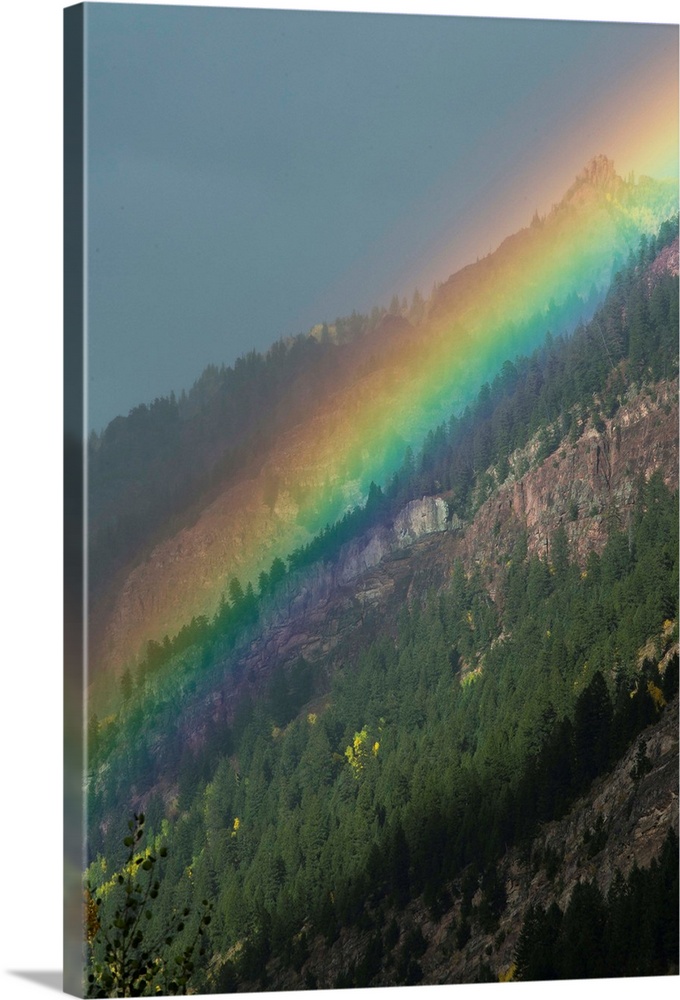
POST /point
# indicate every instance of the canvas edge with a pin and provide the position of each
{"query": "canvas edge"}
(74, 499)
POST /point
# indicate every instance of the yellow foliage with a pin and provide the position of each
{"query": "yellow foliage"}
(311, 718)
(508, 975)
(470, 678)
(656, 695)
(356, 753)
(92, 925)
(125, 871)
(237, 824)
(376, 747)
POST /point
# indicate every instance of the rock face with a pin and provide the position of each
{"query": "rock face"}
(666, 262)
(420, 517)
(585, 486)
(333, 606)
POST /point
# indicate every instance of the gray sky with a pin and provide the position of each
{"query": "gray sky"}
(253, 172)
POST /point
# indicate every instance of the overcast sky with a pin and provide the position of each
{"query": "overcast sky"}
(251, 173)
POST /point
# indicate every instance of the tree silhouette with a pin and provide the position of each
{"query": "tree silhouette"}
(126, 960)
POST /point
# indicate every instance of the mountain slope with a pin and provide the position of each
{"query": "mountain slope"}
(328, 614)
(609, 452)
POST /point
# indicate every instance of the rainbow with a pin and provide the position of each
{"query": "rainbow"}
(496, 309)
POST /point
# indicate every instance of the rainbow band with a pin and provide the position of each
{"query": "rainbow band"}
(481, 317)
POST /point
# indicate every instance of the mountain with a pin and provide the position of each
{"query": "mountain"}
(434, 738)
(257, 460)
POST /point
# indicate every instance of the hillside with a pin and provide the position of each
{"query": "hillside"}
(620, 825)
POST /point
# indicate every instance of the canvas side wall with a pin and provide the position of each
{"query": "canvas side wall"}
(74, 506)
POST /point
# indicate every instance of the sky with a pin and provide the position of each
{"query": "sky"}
(31, 429)
(251, 173)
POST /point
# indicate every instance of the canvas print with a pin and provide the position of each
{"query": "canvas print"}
(371, 444)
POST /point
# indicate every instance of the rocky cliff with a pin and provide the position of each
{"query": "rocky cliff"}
(586, 485)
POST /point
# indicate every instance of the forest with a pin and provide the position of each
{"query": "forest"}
(158, 463)
(340, 797)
